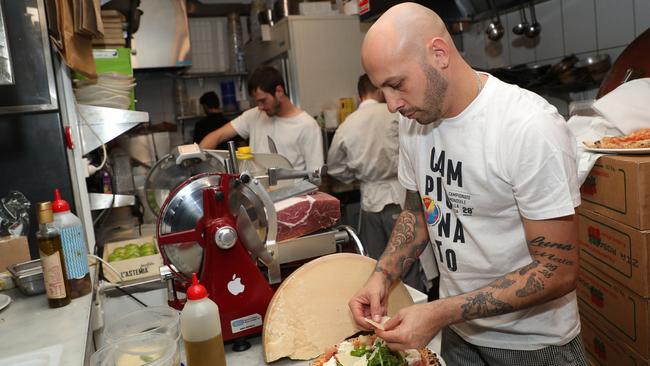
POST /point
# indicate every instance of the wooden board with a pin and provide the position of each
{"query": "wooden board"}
(309, 312)
(635, 56)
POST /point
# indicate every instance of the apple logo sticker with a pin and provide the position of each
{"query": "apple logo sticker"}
(235, 286)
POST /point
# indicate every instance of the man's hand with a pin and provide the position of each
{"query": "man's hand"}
(412, 327)
(371, 300)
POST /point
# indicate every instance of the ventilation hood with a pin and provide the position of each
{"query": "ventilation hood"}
(449, 10)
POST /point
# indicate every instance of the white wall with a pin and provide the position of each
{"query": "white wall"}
(581, 27)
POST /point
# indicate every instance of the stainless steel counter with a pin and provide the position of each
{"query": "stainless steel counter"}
(30, 330)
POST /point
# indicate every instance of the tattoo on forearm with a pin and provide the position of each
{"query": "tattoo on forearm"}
(404, 232)
(413, 202)
(502, 283)
(381, 269)
(541, 243)
(484, 305)
(403, 249)
(532, 286)
(553, 258)
(528, 267)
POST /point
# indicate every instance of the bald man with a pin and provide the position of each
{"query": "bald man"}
(490, 173)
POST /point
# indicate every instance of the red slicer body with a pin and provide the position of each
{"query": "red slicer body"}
(227, 271)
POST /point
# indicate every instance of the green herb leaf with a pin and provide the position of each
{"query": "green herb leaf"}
(146, 359)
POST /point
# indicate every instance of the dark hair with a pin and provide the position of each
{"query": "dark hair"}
(210, 100)
(266, 78)
(364, 86)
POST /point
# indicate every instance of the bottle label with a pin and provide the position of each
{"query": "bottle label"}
(53, 275)
(74, 251)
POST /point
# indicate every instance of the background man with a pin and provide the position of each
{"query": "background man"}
(296, 134)
(213, 119)
(365, 148)
(490, 173)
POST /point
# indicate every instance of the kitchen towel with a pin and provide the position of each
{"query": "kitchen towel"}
(627, 107)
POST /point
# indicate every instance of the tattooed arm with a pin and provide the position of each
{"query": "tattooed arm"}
(408, 239)
(552, 273)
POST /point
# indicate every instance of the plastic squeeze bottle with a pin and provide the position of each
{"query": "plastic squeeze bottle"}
(75, 250)
(201, 328)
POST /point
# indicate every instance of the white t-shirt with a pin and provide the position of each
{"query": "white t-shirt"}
(365, 147)
(508, 154)
(297, 138)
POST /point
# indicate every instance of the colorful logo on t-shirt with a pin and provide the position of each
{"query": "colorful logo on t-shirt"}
(431, 210)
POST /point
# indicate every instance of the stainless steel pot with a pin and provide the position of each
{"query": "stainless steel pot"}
(28, 277)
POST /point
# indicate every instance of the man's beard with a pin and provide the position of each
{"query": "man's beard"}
(434, 95)
(275, 109)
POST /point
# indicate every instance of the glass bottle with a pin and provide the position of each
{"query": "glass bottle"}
(52, 260)
(75, 250)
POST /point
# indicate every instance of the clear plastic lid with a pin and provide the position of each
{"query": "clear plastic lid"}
(143, 349)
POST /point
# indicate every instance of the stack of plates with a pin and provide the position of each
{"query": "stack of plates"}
(109, 90)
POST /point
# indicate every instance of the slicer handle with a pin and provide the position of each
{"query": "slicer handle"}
(276, 174)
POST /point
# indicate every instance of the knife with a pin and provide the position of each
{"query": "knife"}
(272, 146)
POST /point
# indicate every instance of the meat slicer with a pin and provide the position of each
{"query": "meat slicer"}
(222, 226)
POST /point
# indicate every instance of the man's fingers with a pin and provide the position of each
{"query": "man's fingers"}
(376, 308)
(393, 322)
(359, 312)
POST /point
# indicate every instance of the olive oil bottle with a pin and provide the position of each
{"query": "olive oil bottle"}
(52, 260)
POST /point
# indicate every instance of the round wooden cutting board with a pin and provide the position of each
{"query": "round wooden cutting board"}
(309, 312)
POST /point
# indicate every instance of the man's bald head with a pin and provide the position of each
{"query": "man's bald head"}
(405, 27)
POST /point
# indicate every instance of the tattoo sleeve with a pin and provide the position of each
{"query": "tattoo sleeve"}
(548, 276)
(407, 241)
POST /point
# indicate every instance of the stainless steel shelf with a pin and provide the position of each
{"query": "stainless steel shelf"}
(99, 125)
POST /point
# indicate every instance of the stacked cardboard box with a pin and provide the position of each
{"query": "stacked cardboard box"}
(113, 32)
(614, 238)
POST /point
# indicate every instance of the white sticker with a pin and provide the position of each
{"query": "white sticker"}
(247, 322)
(105, 53)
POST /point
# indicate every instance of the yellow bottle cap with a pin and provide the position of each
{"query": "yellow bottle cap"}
(244, 153)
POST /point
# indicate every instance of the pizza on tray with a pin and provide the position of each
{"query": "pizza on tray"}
(636, 140)
(370, 350)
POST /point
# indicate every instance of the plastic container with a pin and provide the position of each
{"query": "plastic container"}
(201, 328)
(150, 321)
(228, 96)
(143, 349)
(75, 250)
(247, 163)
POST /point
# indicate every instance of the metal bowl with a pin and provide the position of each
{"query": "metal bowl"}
(596, 65)
(28, 277)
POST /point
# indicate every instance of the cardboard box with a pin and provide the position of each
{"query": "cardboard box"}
(620, 251)
(604, 350)
(13, 249)
(610, 304)
(135, 268)
(619, 187)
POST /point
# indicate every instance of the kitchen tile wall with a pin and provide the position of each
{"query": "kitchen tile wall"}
(209, 46)
(580, 27)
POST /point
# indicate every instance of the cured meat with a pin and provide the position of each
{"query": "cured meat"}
(298, 216)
